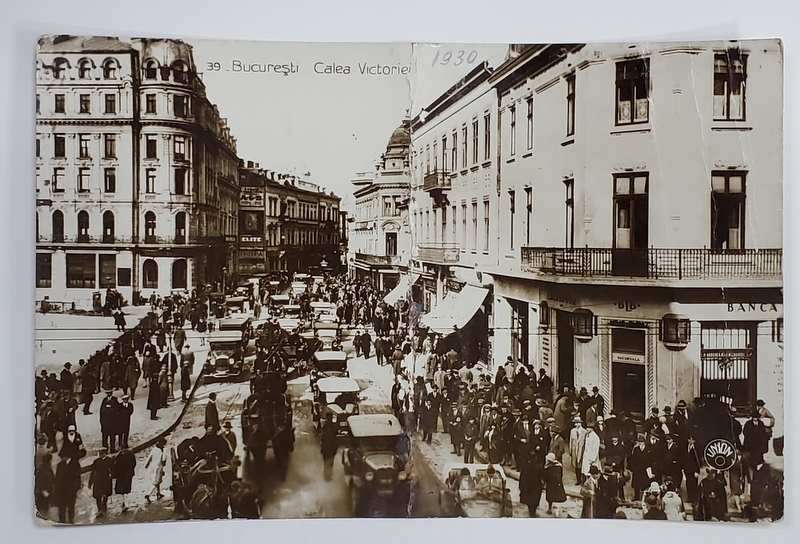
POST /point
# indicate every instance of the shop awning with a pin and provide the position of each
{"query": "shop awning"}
(401, 289)
(455, 310)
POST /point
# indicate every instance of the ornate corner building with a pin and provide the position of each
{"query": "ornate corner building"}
(136, 172)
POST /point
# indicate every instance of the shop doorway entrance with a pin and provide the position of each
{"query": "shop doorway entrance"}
(628, 386)
(566, 349)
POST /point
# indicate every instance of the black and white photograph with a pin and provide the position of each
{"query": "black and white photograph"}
(282, 280)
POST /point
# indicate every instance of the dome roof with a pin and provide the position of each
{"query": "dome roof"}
(401, 136)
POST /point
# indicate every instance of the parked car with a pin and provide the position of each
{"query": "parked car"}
(335, 398)
(475, 491)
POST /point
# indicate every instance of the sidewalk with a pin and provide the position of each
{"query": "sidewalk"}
(144, 431)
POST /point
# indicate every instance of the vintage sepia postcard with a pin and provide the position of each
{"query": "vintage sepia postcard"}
(292, 280)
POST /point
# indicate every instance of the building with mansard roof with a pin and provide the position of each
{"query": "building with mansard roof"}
(136, 175)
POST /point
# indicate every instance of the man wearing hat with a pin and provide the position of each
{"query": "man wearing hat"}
(557, 446)
(756, 440)
(639, 464)
(577, 442)
(607, 500)
(544, 386)
(470, 438)
(100, 481)
(229, 436)
(583, 402)
(67, 379)
(679, 424)
(124, 413)
(589, 492)
(544, 410)
(109, 420)
(599, 401)
(652, 421)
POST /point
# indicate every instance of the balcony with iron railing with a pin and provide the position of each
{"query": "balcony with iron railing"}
(386, 260)
(677, 264)
(436, 180)
(438, 252)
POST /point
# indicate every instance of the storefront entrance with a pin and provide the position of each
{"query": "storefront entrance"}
(628, 386)
(566, 349)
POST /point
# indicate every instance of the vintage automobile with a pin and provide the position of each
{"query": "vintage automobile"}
(289, 324)
(225, 360)
(328, 334)
(236, 305)
(475, 491)
(298, 288)
(374, 464)
(327, 364)
(320, 308)
(216, 303)
(277, 303)
(240, 323)
(335, 399)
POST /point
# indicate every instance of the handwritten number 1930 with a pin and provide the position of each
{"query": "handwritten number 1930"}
(456, 57)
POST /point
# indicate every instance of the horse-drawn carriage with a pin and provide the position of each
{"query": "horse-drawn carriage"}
(267, 419)
(205, 483)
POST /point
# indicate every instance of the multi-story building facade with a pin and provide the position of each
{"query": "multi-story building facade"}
(640, 220)
(380, 241)
(135, 171)
(455, 205)
(286, 224)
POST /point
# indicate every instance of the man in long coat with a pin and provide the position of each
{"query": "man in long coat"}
(109, 420)
(100, 480)
(212, 415)
(591, 451)
(66, 486)
(530, 485)
(124, 413)
(577, 442)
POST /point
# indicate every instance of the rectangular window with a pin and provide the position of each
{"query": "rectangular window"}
(150, 181)
(427, 225)
(110, 180)
(387, 206)
(444, 153)
(83, 146)
(728, 358)
(464, 146)
(529, 125)
(81, 271)
(512, 204)
(59, 146)
(464, 225)
(633, 86)
(83, 180)
(391, 244)
(727, 210)
(151, 146)
(181, 106)
(58, 180)
(435, 156)
(569, 213)
(453, 230)
(519, 330)
(570, 105)
(124, 277)
(528, 214)
(454, 153)
(110, 146)
(180, 181)
(180, 148)
(150, 103)
(427, 159)
(513, 134)
(443, 231)
(38, 147)
(474, 226)
(44, 270)
(486, 223)
(487, 137)
(111, 103)
(730, 72)
(631, 211)
(108, 271)
(475, 141)
(60, 101)
(85, 104)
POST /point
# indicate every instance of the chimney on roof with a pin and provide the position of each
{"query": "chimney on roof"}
(249, 164)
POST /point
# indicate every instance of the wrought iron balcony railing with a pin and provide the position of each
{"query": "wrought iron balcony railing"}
(436, 180)
(655, 263)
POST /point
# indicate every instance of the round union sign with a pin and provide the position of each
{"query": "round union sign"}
(720, 454)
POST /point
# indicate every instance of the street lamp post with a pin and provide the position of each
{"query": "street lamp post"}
(170, 375)
(224, 273)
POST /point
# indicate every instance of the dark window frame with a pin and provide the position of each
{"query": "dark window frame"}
(632, 79)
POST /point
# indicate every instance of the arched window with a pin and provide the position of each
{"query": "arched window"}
(108, 227)
(179, 274)
(179, 73)
(110, 69)
(83, 226)
(150, 69)
(58, 226)
(180, 228)
(85, 69)
(149, 228)
(60, 66)
(150, 274)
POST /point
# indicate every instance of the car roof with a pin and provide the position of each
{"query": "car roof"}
(235, 299)
(472, 467)
(333, 355)
(223, 336)
(279, 297)
(337, 384)
(238, 320)
(374, 425)
(327, 325)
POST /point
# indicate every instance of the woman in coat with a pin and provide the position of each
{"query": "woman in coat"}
(553, 477)
(530, 486)
(163, 385)
(154, 398)
(186, 381)
(124, 467)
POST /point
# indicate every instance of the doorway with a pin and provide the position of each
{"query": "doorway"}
(628, 386)
(566, 349)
